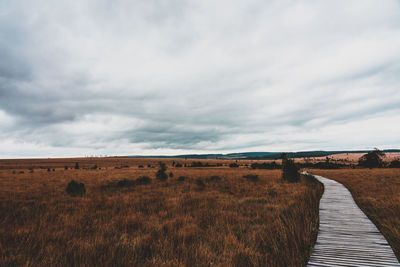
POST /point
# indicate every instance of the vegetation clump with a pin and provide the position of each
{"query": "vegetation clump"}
(268, 166)
(143, 180)
(233, 165)
(290, 171)
(251, 177)
(372, 159)
(200, 183)
(76, 166)
(181, 178)
(75, 189)
(394, 164)
(125, 183)
(161, 173)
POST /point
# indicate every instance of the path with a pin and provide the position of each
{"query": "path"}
(346, 236)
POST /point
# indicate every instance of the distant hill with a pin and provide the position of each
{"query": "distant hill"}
(266, 155)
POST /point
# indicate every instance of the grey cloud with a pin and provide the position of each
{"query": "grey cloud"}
(194, 76)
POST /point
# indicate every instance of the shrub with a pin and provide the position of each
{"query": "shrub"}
(94, 167)
(199, 182)
(143, 180)
(140, 166)
(181, 178)
(75, 189)
(178, 165)
(76, 166)
(160, 174)
(394, 164)
(66, 168)
(265, 165)
(372, 159)
(125, 183)
(290, 171)
(251, 177)
(233, 165)
(171, 174)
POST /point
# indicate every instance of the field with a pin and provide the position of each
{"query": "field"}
(376, 192)
(200, 216)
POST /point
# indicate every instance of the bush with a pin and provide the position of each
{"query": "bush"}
(181, 178)
(251, 177)
(199, 182)
(233, 165)
(125, 183)
(143, 180)
(160, 174)
(76, 166)
(75, 189)
(372, 159)
(290, 171)
(265, 165)
(140, 166)
(171, 174)
(394, 164)
(178, 165)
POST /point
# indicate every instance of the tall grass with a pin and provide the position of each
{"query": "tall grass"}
(231, 221)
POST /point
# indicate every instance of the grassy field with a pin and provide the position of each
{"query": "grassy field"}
(376, 192)
(212, 216)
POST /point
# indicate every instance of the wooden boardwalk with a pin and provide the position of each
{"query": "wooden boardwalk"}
(346, 236)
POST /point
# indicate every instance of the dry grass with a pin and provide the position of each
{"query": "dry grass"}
(229, 221)
(376, 192)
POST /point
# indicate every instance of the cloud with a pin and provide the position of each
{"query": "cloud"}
(148, 77)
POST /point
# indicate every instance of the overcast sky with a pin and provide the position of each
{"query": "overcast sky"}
(171, 77)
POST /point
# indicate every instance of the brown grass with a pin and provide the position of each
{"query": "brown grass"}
(376, 191)
(230, 221)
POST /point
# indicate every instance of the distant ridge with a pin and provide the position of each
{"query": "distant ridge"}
(264, 155)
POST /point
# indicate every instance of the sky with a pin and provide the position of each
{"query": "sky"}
(154, 77)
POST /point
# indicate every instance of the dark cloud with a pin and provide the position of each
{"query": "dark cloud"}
(157, 77)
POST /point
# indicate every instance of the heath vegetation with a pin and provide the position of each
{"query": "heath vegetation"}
(138, 216)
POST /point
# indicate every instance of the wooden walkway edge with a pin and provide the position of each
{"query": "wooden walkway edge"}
(346, 236)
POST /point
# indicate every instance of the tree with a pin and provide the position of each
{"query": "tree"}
(372, 159)
(290, 171)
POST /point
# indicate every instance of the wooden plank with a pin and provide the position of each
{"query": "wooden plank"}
(346, 236)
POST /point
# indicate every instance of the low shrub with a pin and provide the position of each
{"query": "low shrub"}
(251, 177)
(125, 183)
(200, 183)
(161, 174)
(181, 178)
(75, 189)
(143, 180)
(394, 164)
(290, 171)
(233, 165)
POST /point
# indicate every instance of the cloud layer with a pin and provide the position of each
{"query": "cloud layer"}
(171, 77)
